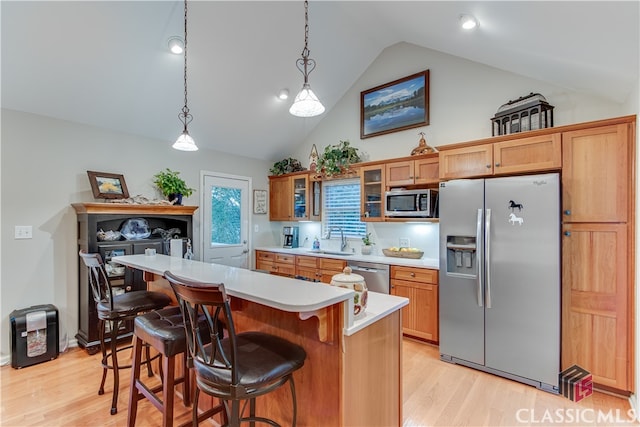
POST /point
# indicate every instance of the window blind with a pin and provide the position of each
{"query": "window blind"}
(341, 208)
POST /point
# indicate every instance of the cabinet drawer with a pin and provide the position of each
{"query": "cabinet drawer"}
(264, 265)
(265, 256)
(284, 269)
(414, 274)
(285, 259)
(332, 264)
(307, 261)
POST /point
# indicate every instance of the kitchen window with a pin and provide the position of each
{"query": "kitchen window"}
(341, 208)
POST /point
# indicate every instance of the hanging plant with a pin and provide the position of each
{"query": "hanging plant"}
(288, 165)
(336, 159)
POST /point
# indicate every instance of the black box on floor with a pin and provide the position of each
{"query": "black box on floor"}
(34, 335)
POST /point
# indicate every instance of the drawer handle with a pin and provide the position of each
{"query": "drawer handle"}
(497, 164)
(488, 166)
(412, 274)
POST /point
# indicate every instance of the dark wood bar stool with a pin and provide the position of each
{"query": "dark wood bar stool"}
(114, 310)
(239, 367)
(164, 331)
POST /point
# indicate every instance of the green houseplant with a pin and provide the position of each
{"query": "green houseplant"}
(172, 186)
(366, 244)
(336, 159)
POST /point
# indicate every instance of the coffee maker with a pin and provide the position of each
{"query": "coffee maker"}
(290, 237)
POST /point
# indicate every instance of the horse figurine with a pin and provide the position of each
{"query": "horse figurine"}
(513, 219)
(513, 205)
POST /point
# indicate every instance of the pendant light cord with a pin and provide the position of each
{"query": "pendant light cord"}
(305, 64)
(184, 116)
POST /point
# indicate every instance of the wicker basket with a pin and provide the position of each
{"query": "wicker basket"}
(402, 254)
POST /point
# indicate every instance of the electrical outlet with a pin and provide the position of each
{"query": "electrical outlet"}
(23, 232)
(404, 242)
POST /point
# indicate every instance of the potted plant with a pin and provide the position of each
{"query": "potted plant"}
(367, 244)
(172, 186)
(336, 159)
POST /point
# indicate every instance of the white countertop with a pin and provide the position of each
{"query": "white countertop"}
(432, 263)
(278, 292)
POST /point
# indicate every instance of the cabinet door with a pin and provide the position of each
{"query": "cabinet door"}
(425, 298)
(595, 174)
(595, 300)
(405, 289)
(372, 182)
(280, 199)
(399, 174)
(427, 171)
(300, 196)
(330, 267)
(536, 153)
(466, 162)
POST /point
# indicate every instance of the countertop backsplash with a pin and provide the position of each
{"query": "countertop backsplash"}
(423, 236)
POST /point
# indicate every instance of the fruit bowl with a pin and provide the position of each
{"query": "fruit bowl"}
(403, 253)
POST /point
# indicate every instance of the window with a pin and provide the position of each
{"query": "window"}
(341, 208)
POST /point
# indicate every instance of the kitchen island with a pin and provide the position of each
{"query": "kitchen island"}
(352, 374)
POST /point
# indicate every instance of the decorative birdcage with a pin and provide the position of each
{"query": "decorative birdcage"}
(526, 113)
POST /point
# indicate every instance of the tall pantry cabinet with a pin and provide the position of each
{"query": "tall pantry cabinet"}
(598, 251)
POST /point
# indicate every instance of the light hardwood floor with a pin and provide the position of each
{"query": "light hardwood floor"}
(63, 392)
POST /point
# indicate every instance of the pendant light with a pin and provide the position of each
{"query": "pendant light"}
(184, 141)
(306, 103)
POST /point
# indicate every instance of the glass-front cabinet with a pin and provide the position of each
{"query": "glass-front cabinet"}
(372, 192)
(300, 197)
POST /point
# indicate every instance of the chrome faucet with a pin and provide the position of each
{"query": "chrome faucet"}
(343, 239)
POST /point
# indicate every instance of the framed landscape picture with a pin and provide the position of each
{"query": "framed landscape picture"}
(395, 106)
(108, 185)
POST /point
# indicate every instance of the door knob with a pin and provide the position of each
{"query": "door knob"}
(567, 212)
(567, 233)
(497, 164)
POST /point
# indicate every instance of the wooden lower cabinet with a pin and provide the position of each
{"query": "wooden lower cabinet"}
(596, 330)
(420, 286)
(276, 263)
(315, 269)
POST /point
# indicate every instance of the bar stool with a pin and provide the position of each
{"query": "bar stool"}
(114, 310)
(164, 331)
(237, 368)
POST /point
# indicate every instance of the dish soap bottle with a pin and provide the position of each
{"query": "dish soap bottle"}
(316, 244)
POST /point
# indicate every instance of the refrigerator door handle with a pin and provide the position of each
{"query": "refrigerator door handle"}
(479, 256)
(487, 260)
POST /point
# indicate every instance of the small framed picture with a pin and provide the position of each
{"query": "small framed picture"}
(108, 185)
(399, 105)
(259, 201)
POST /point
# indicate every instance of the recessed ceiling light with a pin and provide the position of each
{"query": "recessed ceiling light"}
(283, 94)
(468, 22)
(176, 45)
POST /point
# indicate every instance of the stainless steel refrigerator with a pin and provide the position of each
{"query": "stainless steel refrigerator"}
(500, 276)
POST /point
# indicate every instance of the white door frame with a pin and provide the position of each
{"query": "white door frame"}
(203, 241)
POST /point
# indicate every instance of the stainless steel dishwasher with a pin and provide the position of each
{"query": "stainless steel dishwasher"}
(375, 275)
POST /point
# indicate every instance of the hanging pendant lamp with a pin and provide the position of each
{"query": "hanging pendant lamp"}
(306, 103)
(184, 141)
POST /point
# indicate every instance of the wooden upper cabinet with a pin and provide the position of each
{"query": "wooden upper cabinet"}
(595, 171)
(412, 172)
(280, 201)
(521, 155)
(536, 153)
(427, 171)
(476, 160)
(372, 187)
(293, 198)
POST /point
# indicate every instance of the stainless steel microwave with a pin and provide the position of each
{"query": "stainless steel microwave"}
(403, 203)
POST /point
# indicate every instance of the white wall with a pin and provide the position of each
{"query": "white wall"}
(44, 170)
(464, 96)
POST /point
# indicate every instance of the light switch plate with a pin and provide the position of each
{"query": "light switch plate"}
(23, 232)
(404, 242)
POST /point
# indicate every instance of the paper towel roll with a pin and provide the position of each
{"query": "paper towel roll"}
(176, 248)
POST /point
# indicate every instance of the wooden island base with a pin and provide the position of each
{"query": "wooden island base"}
(347, 380)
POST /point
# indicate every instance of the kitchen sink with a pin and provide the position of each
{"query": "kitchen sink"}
(330, 252)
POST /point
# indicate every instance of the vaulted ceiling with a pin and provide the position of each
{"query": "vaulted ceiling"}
(105, 63)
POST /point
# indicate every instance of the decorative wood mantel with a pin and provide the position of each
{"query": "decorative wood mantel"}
(128, 208)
